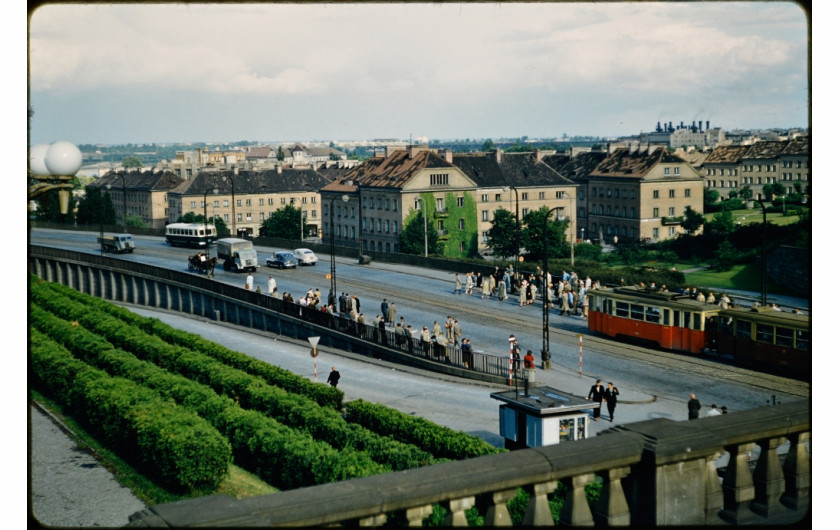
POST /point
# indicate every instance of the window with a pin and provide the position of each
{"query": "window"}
(764, 333)
(655, 232)
(378, 204)
(671, 211)
(193, 204)
(652, 314)
(525, 211)
(743, 329)
(262, 202)
(460, 202)
(672, 194)
(667, 171)
(239, 202)
(688, 192)
(271, 201)
(461, 224)
(439, 179)
(485, 197)
(541, 195)
(525, 196)
(637, 311)
(439, 205)
(676, 171)
(498, 197)
(655, 194)
(656, 212)
(485, 215)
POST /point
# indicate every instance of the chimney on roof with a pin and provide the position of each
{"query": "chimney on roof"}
(235, 170)
(278, 168)
(498, 153)
(540, 154)
(707, 125)
(414, 149)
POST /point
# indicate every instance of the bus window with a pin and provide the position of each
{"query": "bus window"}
(637, 312)
(652, 314)
(784, 337)
(764, 333)
(803, 339)
(622, 309)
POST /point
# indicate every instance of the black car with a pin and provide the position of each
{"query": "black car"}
(282, 260)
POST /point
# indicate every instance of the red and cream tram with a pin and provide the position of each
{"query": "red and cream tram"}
(672, 320)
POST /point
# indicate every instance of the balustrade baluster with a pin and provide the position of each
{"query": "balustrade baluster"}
(538, 513)
(797, 470)
(498, 514)
(373, 520)
(768, 479)
(457, 507)
(612, 508)
(576, 511)
(738, 488)
(416, 515)
(714, 491)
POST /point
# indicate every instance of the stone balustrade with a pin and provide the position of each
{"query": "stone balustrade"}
(654, 473)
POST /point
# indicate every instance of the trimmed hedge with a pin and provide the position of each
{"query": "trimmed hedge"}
(280, 455)
(324, 395)
(440, 441)
(179, 448)
(296, 412)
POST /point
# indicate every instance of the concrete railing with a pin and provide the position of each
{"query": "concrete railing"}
(653, 473)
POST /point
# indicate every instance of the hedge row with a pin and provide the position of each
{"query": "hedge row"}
(440, 441)
(280, 455)
(324, 395)
(294, 411)
(182, 450)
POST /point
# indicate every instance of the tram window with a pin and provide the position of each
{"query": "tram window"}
(637, 312)
(726, 326)
(743, 329)
(784, 337)
(764, 333)
(652, 314)
(697, 321)
(803, 339)
(678, 318)
(622, 309)
(666, 317)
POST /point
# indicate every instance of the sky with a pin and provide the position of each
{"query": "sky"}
(164, 73)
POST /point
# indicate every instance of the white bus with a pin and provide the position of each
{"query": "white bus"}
(190, 234)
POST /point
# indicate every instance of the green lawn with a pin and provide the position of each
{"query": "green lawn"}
(745, 217)
(740, 277)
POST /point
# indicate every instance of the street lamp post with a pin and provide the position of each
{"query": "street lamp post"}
(425, 228)
(125, 204)
(232, 204)
(516, 234)
(546, 349)
(102, 223)
(764, 251)
(332, 296)
(206, 238)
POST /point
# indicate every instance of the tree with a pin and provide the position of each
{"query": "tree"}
(692, 221)
(501, 238)
(537, 234)
(95, 208)
(488, 145)
(710, 197)
(725, 257)
(745, 193)
(412, 239)
(722, 223)
(132, 161)
(280, 155)
(283, 223)
(776, 188)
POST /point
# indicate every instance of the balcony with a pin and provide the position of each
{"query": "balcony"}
(658, 472)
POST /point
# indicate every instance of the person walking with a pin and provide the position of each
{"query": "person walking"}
(693, 407)
(272, 285)
(611, 397)
(458, 284)
(596, 394)
(333, 378)
(485, 288)
(249, 282)
(456, 333)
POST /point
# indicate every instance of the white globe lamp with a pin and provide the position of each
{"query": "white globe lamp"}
(63, 158)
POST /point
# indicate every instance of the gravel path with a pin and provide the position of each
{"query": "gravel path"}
(68, 487)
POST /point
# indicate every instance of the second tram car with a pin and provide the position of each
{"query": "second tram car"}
(763, 337)
(674, 321)
(190, 234)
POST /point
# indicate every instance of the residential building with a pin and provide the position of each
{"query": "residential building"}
(794, 164)
(760, 165)
(458, 193)
(245, 199)
(140, 194)
(577, 168)
(517, 182)
(640, 193)
(722, 169)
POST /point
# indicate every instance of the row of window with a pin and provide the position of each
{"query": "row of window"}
(767, 333)
(672, 194)
(524, 196)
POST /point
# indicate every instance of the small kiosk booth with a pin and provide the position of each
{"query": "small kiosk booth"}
(541, 416)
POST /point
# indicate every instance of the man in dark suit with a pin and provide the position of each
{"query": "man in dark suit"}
(694, 407)
(611, 397)
(596, 394)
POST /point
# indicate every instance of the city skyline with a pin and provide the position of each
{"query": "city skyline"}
(179, 73)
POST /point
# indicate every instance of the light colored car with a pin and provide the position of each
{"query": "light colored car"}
(305, 256)
(282, 260)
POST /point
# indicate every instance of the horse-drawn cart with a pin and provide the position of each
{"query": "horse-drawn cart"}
(207, 265)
